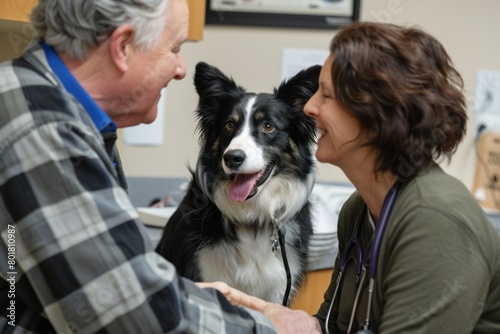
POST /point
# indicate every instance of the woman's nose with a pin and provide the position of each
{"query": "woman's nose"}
(310, 109)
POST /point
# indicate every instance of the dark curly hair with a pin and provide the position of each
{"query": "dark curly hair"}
(402, 87)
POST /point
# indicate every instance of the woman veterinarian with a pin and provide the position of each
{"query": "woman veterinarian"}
(416, 252)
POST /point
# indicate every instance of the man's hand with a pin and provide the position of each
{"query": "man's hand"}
(284, 319)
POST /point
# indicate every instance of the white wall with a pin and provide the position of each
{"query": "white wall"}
(468, 29)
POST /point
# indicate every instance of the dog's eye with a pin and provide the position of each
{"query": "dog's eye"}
(229, 126)
(267, 127)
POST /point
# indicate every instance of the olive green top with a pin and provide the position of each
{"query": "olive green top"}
(439, 264)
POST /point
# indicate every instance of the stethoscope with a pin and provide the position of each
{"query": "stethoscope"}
(362, 263)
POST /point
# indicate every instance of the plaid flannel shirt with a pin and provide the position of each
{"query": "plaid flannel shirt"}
(74, 255)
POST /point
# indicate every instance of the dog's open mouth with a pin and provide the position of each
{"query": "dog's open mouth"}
(245, 186)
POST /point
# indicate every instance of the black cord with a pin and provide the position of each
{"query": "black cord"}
(281, 234)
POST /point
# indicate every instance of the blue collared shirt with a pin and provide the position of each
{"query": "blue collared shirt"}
(101, 120)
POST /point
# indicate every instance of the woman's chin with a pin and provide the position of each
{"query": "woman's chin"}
(321, 157)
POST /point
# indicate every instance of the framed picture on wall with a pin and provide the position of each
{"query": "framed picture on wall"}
(316, 14)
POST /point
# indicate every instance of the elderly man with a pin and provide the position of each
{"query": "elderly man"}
(77, 258)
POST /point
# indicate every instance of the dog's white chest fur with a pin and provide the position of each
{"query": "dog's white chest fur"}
(248, 264)
(258, 169)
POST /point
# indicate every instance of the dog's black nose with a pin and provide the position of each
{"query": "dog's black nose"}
(234, 158)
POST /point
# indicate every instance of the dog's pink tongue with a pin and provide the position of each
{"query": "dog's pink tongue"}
(242, 186)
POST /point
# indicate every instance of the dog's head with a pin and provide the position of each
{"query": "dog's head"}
(248, 138)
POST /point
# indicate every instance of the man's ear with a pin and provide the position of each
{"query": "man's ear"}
(121, 44)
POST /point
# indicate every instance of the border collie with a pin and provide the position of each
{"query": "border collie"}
(253, 178)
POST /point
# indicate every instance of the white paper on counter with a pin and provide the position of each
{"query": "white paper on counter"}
(157, 217)
(327, 200)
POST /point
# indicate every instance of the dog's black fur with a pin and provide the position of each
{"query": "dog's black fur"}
(255, 167)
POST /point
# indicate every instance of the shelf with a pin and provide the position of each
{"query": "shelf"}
(19, 11)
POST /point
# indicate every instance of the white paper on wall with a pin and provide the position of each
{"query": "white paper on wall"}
(295, 59)
(487, 100)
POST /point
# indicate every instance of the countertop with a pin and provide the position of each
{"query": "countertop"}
(328, 198)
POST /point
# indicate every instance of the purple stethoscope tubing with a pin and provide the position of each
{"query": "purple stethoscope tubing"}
(371, 260)
(354, 241)
(380, 229)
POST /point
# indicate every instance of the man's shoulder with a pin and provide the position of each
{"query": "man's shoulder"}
(31, 65)
(32, 97)
(26, 86)
(30, 92)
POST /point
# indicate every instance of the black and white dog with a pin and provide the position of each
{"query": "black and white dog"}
(254, 175)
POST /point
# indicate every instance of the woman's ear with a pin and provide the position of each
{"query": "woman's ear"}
(121, 46)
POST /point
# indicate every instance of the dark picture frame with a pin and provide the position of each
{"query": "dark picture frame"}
(315, 14)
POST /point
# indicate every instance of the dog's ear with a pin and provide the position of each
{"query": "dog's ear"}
(218, 94)
(211, 83)
(296, 91)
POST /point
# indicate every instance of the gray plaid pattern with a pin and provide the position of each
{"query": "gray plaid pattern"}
(84, 262)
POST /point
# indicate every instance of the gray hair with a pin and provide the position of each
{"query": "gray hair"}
(74, 26)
